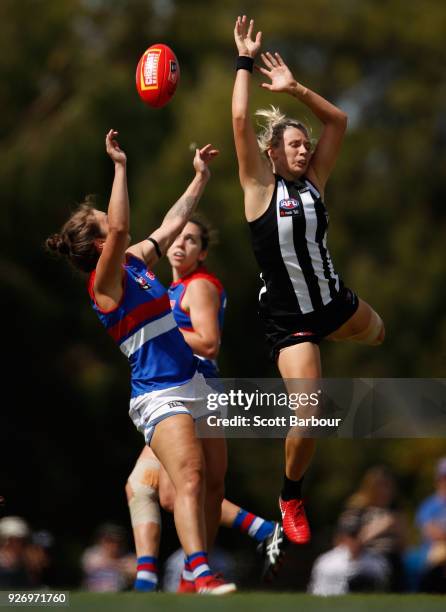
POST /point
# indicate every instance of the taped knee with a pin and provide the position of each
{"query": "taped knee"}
(374, 334)
(144, 499)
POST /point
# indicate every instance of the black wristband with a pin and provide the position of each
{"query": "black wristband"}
(244, 63)
(156, 245)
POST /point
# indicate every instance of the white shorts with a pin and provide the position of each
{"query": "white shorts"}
(147, 410)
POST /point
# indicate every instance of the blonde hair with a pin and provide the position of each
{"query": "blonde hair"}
(273, 127)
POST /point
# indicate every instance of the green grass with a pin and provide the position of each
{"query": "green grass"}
(252, 602)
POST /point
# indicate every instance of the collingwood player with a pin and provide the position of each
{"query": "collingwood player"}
(303, 300)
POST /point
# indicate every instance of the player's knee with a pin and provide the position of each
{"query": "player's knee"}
(382, 334)
(128, 491)
(167, 498)
(142, 493)
(374, 334)
(377, 331)
(191, 480)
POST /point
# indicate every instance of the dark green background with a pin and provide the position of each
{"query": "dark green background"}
(67, 76)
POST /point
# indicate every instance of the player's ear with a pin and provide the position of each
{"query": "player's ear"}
(202, 256)
(99, 244)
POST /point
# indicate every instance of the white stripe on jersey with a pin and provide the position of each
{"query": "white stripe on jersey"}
(330, 264)
(313, 247)
(333, 274)
(288, 252)
(146, 333)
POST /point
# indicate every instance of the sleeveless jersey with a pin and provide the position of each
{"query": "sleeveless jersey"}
(207, 367)
(290, 245)
(145, 330)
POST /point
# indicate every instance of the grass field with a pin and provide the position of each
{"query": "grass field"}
(252, 602)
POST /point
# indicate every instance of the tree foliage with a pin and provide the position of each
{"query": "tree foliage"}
(67, 71)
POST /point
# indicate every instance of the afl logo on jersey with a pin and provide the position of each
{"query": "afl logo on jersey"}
(150, 275)
(290, 207)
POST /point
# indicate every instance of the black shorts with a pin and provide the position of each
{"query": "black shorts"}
(286, 330)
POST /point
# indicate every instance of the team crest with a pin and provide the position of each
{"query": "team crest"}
(142, 283)
(290, 207)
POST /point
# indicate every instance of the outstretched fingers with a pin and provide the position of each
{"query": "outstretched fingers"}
(208, 152)
(110, 140)
(250, 29)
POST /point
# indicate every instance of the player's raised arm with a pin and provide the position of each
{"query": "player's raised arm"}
(151, 249)
(333, 119)
(254, 169)
(108, 277)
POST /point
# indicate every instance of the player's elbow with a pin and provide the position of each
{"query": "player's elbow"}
(240, 120)
(119, 230)
(210, 350)
(341, 120)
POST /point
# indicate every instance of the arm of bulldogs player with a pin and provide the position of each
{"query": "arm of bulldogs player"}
(177, 217)
(202, 301)
(114, 228)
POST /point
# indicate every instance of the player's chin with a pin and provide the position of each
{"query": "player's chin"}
(300, 168)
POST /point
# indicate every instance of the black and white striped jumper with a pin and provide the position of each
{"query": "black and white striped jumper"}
(290, 245)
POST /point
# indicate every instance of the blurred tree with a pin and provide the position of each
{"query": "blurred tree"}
(67, 72)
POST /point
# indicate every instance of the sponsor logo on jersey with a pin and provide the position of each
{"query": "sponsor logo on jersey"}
(289, 207)
(142, 283)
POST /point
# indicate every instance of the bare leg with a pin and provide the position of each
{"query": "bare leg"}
(142, 496)
(365, 326)
(216, 464)
(301, 361)
(229, 512)
(175, 445)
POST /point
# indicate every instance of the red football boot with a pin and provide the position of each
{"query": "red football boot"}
(214, 585)
(294, 521)
(186, 586)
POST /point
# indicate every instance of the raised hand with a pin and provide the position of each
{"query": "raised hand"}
(243, 32)
(282, 79)
(203, 157)
(113, 149)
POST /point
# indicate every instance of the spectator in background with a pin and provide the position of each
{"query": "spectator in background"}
(39, 555)
(14, 541)
(382, 525)
(106, 565)
(431, 521)
(349, 567)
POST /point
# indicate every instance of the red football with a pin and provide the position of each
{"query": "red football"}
(157, 75)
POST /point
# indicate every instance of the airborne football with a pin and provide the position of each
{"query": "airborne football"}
(157, 75)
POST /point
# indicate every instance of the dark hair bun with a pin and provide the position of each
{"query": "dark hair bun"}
(57, 243)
